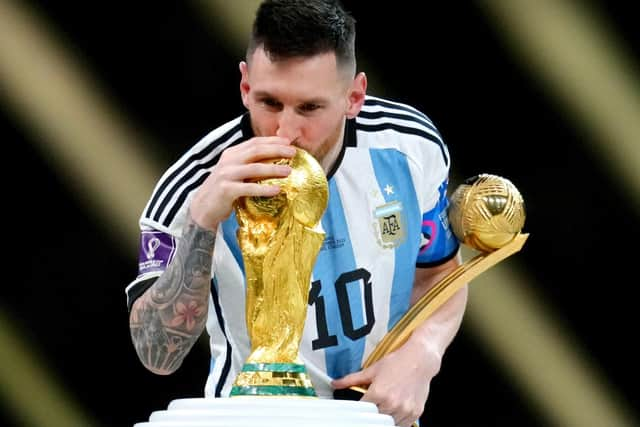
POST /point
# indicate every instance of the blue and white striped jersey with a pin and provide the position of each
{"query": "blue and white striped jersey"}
(386, 215)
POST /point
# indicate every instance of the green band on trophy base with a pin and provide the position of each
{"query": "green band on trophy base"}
(273, 379)
(273, 367)
(272, 390)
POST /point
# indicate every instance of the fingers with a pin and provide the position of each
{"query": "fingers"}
(253, 172)
(362, 378)
(258, 149)
(269, 140)
(402, 397)
(406, 415)
(254, 190)
(234, 181)
(404, 410)
(234, 176)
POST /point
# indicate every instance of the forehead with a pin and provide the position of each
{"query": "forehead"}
(302, 77)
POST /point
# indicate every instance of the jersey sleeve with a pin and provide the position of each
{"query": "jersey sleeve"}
(163, 218)
(438, 243)
(157, 249)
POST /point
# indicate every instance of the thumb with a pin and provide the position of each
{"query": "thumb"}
(357, 378)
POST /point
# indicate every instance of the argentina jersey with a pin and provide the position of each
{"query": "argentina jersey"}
(386, 217)
(387, 194)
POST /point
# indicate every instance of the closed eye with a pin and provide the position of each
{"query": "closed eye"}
(308, 107)
(271, 103)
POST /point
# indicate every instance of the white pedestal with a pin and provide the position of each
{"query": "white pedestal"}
(250, 411)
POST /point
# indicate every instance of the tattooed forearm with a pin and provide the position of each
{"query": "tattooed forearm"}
(169, 317)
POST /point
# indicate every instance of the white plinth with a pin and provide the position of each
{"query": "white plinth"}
(250, 411)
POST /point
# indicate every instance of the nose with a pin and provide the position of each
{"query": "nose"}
(288, 124)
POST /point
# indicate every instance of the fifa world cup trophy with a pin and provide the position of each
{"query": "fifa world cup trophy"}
(280, 238)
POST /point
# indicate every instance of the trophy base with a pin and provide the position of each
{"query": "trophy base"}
(273, 379)
(252, 411)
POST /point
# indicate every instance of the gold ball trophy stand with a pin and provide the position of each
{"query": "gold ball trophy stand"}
(487, 214)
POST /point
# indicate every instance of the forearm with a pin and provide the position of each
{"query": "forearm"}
(435, 334)
(169, 317)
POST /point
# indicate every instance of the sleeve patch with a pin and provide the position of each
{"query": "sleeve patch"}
(157, 249)
(437, 240)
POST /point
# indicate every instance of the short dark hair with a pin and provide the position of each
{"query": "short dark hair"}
(287, 29)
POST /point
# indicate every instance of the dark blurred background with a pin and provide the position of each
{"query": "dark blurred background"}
(96, 99)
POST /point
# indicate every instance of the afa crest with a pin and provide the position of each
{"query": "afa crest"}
(389, 225)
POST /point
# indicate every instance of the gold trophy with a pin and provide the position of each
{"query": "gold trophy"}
(486, 213)
(280, 238)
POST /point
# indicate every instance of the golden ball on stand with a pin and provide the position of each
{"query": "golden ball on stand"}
(486, 212)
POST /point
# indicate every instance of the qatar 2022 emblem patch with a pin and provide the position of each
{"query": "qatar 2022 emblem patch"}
(389, 225)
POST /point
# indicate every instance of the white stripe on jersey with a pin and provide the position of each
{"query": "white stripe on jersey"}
(218, 346)
(230, 279)
(314, 360)
(403, 119)
(425, 166)
(395, 116)
(372, 113)
(400, 106)
(357, 168)
(176, 193)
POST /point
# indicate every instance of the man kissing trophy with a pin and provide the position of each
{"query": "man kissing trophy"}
(280, 238)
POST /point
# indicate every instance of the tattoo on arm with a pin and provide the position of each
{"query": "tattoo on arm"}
(169, 317)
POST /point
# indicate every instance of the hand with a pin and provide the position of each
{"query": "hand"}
(231, 178)
(398, 383)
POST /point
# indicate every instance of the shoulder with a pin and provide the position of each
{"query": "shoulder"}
(217, 139)
(205, 153)
(383, 123)
(172, 191)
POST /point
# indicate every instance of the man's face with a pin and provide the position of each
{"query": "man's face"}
(302, 99)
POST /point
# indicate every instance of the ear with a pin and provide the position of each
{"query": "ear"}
(244, 83)
(356, 95)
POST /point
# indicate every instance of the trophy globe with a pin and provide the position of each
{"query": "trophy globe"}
(486, 212)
